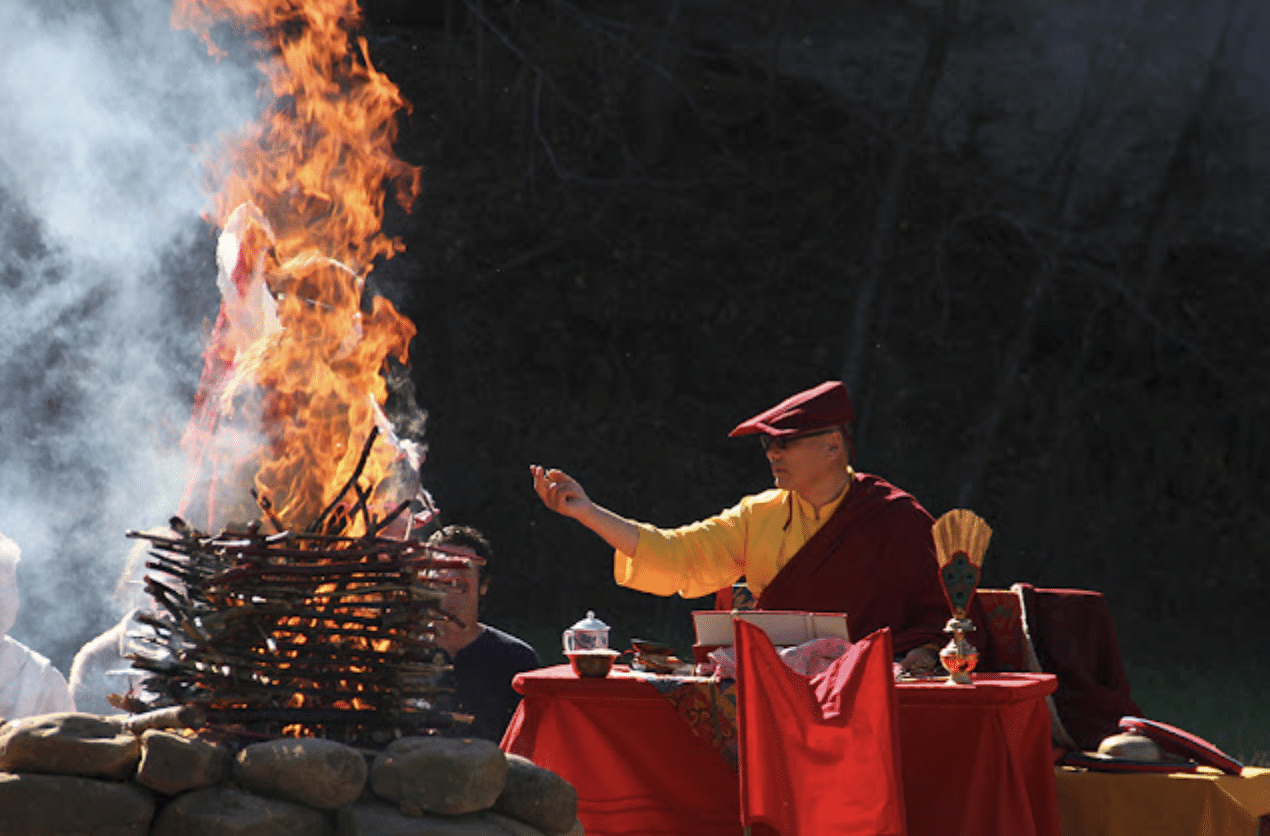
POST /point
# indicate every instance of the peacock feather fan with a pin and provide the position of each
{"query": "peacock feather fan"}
(961, 538)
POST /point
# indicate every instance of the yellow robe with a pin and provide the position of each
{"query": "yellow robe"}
(755, 538)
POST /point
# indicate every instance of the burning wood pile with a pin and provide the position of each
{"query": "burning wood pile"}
(313, 633)
(311, 614)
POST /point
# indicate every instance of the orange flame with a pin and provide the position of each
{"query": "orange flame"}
(292, 325)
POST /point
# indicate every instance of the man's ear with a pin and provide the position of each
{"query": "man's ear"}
(482, 587)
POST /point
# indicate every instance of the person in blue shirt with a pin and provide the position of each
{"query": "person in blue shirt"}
(485, 658)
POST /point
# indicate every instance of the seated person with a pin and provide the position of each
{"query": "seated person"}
(825, 539)
(101, 667)
(29, 684)
(485, 658)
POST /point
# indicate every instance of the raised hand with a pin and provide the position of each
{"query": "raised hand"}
(559, 491)
(563, 494)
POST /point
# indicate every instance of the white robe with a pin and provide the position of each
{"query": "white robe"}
(29, 684)
(99, 669)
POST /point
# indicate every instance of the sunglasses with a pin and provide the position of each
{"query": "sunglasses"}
(784, 442)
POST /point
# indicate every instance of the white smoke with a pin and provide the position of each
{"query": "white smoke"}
(106, 275)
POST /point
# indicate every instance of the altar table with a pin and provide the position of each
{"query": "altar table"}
(976, 759)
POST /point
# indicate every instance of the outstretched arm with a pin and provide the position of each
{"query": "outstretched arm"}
(563, 494)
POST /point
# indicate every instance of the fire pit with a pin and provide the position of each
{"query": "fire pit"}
(315, 633)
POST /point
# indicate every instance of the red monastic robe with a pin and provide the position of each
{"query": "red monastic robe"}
(874, 559)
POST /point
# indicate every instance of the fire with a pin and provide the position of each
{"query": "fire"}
(325, 625)
(299, 195)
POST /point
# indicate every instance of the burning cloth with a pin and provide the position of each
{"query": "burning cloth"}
(29, 684)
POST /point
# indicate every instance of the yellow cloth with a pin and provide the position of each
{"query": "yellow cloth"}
(1204, 804)
(756, 538)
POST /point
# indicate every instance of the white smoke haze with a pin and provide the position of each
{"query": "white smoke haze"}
(106, 276)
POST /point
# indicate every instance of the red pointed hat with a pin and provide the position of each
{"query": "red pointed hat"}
(826, 405)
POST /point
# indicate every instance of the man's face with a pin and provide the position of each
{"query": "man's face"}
(463, 593)
(802, 460)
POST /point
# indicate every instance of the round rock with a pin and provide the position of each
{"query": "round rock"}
(537, 796)
(377, 818)
(31, 804)
(172, 763)
(451, 776)
(69, 743)
(320, 773)
(229, 811)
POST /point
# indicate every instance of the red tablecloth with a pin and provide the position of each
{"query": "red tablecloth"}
(637, 767)
(976, 759)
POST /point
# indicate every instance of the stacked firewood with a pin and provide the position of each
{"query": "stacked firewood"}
(296, 634)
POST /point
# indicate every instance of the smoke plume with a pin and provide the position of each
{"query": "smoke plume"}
(107, 274)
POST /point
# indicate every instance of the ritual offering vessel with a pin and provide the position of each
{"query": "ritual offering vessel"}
(961, 538)
(586, 644)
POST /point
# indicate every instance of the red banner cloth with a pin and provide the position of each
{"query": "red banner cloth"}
(638, 769)
(819, 756)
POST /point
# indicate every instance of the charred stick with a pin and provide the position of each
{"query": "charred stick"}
(363, 506)
(314, 715)
(316, 525)
(312, 656)
(288, 594)
(205, 690)
(248, 664)
(391, 516)
(180, 569)
(266, 505)
(157, 623)
(145, 663)
(354, 548)
(162, 594)
(288, 682)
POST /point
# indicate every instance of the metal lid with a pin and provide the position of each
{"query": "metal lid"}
(590, 623)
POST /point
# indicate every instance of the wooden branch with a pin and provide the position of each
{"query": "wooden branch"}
(391, 516)
(317, 524)
(171, 717)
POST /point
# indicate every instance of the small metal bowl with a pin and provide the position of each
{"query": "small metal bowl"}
(593, 664)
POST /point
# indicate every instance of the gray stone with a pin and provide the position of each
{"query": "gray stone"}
(58, 805)
(229, 811)
(576, 830)
(320, 773)
(451, 776)
(172, 763)
(509, 826)
(69, 743)
(377, 818)
(537, 796)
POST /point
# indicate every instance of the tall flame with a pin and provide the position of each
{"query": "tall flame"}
(299, 196)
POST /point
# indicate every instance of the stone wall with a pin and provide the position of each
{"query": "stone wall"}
(81, 774)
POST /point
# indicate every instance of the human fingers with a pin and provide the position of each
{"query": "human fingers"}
(552, 487)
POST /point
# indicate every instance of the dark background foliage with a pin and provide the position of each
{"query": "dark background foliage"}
(625, 245)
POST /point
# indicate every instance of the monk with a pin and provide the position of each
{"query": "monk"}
(826, 538)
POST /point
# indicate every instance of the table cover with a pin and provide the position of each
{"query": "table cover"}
(1207, 802)
(976, 759)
